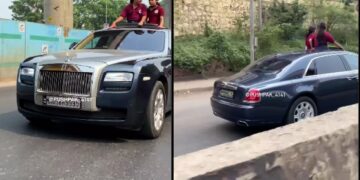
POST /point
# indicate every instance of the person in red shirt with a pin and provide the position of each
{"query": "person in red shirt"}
(320, 39)
(307, 42)
(155, 13)
(135, 11)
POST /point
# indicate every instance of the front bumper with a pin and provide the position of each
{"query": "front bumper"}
(244, 115)
(122, 109)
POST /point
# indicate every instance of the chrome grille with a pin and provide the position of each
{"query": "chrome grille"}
(65, 82)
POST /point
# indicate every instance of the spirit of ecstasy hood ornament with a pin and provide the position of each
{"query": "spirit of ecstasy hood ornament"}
(68, 59)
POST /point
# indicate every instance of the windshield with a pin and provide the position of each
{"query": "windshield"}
(134, 40)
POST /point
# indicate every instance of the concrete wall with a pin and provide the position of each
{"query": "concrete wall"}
(324, 147)
(19, 40)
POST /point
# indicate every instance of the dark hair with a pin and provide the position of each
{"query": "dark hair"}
(321, 32)
(310, 31)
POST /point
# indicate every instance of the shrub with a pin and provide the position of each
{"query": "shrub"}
(195, 52)
(233, 54)
(191, 54)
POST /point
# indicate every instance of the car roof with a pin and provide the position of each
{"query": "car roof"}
(291, 56)
(134, 26)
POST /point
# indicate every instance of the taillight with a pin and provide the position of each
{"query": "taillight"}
(252, 96)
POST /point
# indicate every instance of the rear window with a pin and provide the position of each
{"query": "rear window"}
(270, 65)
(352, 60)
(329, 64)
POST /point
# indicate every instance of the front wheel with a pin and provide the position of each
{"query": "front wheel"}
(302, 108)
(155, 112)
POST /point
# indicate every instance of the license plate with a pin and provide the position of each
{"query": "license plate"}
(64, 102)
(226, 93)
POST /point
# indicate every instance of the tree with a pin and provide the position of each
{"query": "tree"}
(289, 17)
(88, 14)
(91, 14)
(291, 13)
(27, 10)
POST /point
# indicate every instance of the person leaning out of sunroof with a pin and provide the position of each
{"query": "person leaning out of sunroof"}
(319, 40)
(155, 13)
(134, 12)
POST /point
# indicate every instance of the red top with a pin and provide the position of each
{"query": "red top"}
(134, 14)
(155, 14)
(307, 42)
(328, 38)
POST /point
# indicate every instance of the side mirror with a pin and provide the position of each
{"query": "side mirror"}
(73, 45)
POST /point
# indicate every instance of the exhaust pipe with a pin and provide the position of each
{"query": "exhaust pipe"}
(242, 123)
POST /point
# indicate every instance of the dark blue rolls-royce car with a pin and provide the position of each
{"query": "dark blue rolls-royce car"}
(120, 77)
(286, 88)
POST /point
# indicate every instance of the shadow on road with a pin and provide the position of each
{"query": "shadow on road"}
(14, 122)
(242, 132)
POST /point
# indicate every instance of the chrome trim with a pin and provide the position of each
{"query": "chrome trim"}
(228, 85)
(334, 54)
(308, 78)
(65, 82)
(232, 104)
(242, 123)
(87, 104)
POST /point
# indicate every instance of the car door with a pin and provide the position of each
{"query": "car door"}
(333, 88)
(352, 62)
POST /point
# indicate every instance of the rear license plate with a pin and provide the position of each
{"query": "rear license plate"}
(226, 93)
(64, 102)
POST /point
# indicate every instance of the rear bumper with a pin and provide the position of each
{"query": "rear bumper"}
(244, 115)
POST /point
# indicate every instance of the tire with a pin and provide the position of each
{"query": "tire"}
(299, 110)
(155, 112)
(38, 121)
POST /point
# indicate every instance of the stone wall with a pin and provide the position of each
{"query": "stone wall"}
(324, 147)
(190, 16)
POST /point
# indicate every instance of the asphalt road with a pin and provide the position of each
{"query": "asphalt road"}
(196, 128)
(73, 151)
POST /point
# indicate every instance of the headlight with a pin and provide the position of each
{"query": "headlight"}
(27, 72)
(118, 77)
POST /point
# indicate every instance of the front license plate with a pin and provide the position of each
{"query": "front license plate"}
(64, 102)
(226, 93)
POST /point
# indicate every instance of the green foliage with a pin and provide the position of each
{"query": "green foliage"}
(195, 52)
(91, 14)
(207, 30)
(287, 17)
(88, 14)
(190, 53)
(27, 10)
(232, 54)
(293, 13)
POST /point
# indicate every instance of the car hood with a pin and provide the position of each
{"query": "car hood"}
(92, 57)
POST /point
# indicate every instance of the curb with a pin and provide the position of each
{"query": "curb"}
(191, 90)
(7, 84)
